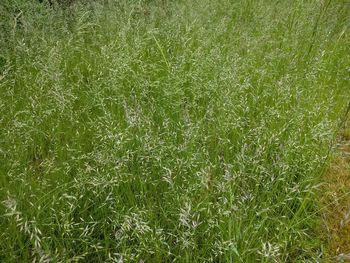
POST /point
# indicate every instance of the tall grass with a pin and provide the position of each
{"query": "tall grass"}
(158, 131)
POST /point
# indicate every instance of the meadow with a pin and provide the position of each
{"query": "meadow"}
(168, 131)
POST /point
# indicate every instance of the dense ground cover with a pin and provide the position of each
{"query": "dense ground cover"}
(335, 200)
(156, 131)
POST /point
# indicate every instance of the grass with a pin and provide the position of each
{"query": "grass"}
(158, 131)
(335, 200)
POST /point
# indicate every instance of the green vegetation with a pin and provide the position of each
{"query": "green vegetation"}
(158, 131)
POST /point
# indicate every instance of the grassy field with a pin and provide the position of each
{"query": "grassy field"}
(161, 131)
